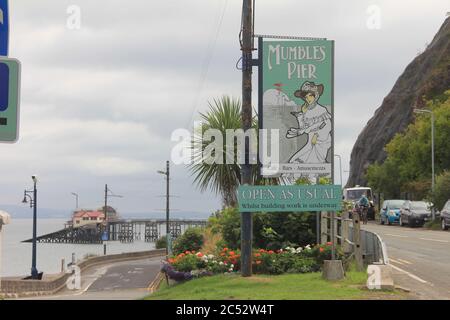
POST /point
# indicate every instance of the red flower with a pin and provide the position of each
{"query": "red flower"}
(199, 254)
(329, 243)
(262, 250)
(187, 252)
(225, 249)
(231, 253)
(271, 252)
(321, 249)
(258, 261)
(257, 255)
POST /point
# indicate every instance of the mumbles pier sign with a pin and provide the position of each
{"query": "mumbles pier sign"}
(289, 198)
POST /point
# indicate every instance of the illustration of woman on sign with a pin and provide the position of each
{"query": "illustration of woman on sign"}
(314, 120)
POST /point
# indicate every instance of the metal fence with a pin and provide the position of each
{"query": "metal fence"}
(372, 246)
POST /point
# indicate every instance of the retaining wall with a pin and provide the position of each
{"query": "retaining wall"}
(50, 284)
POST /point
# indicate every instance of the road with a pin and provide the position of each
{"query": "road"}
(420, 259)
(128, 280)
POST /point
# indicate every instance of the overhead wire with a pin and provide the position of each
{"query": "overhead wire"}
(207, 59)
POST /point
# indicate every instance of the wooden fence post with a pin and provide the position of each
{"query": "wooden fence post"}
(324, 227)
(357, 241)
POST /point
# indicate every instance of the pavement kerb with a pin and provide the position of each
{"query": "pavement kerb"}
(85, 264)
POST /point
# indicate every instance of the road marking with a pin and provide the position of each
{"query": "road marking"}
(393, 260)
(409, 274)
(405, 261)
(396, 235)
(426, 239)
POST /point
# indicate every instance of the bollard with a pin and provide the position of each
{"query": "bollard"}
(63, 265)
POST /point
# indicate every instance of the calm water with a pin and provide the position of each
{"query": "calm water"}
(16, 256)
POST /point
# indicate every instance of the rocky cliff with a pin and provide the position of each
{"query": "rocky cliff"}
(427, 76)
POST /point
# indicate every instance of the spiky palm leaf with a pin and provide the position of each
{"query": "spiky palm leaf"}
(223, 179)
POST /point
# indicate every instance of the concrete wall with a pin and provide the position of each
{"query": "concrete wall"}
(16, 286)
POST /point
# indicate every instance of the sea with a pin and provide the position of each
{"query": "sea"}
(15, 256)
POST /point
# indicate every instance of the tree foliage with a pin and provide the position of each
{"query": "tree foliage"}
(222, 178)
(407, 168)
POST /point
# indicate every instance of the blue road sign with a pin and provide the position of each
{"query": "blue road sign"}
(105, 236)
(4, 27)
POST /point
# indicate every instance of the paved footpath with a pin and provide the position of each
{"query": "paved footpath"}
(128, 280)
(420, 259)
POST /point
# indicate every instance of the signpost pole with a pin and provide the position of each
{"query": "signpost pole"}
(247, 48)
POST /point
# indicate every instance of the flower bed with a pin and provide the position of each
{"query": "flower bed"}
(288, 260)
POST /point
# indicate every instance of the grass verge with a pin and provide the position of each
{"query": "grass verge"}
(308, 286)
(433, 225)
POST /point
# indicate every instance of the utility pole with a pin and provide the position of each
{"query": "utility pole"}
(168, 238)
(246, 170)
(105, 210)
(167, 207)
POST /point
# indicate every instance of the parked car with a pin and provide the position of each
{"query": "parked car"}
(390, 211)
(415, 213)
(445, 216)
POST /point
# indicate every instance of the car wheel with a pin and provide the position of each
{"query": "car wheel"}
(444, 226)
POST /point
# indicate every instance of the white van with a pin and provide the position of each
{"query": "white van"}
(355, 193)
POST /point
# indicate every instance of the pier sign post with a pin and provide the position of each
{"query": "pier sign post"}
(9, 99)
(291, 198)
(296, 97)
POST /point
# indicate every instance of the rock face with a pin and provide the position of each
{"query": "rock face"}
(427, 76)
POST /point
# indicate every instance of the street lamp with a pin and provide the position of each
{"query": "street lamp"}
(340, 166)
(76, 199)
(33, 204)
(168, 238)
(432, 152)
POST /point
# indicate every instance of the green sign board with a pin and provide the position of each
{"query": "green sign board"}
(296, 98)
(9, 99)
(289, 198)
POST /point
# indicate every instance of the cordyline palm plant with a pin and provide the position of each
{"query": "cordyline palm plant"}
(223, 179)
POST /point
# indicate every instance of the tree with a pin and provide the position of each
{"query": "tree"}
(442, 191)
(407, 167)
(221, 178)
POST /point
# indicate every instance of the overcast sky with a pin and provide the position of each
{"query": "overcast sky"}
(99, 103)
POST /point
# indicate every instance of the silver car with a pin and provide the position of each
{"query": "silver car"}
(415, 213)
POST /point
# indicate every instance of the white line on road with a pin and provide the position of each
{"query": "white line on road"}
(405, 261)
(393, 260)
(409, 274)
(426, 239)
(396, 235)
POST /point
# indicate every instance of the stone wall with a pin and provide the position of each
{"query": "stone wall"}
(50, 284)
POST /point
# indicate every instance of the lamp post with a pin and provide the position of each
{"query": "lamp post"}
(76, 199)
(33, 204)
(168, 236)
(340, 166)
(432, 153)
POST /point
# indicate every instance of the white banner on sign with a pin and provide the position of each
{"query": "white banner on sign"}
(305, 168)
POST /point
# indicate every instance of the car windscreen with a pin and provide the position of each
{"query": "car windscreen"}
(420, 206)
(394, 204)
(356, 194)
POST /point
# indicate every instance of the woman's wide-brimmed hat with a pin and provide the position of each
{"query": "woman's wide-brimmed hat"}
(309, 87)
